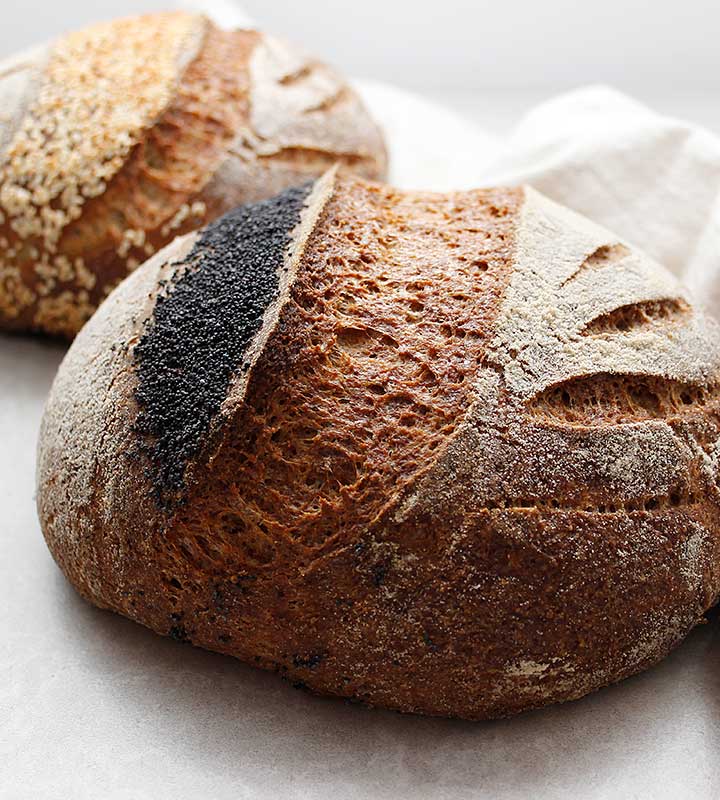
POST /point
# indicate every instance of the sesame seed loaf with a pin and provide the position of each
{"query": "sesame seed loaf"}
(447, 454)
(116, 138)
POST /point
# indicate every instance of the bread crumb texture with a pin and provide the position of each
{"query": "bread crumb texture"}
(121, 136)
(471, 469)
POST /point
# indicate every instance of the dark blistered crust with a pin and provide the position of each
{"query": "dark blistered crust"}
(203, 326)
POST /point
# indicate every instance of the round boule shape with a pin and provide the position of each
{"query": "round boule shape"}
(449, 454)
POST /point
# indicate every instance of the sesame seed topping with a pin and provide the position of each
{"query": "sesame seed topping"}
(100, 89)
(195, 210)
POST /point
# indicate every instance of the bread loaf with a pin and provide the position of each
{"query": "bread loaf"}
(116, 138)
(447, 454)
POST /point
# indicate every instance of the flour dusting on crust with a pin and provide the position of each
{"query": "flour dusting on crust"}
(507, 458)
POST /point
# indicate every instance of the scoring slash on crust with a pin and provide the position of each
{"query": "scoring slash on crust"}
(118, 137)
(449, 454)
(209, 324)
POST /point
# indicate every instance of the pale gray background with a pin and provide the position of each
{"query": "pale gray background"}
(476, 44)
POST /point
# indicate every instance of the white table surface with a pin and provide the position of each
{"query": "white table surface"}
(93, 706)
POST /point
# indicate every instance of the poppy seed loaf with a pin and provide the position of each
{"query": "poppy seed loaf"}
(447, 454)
(116, 138)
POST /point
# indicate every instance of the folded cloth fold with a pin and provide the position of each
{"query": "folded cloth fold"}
(430, 147)
(651, 179)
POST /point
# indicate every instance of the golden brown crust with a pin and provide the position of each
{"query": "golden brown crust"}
(156, 195)
(384, 336)
(199, 143)
(416, 498)
(99, 90)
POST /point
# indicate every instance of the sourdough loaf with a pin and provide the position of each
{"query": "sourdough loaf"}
(448, 454)
(118, 137)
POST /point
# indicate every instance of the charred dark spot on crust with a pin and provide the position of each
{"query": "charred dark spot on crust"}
(202, 328)
(178, 633)
(379, 574)
(308, 662)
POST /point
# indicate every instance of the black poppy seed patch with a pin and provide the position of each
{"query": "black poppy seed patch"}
(202, 327)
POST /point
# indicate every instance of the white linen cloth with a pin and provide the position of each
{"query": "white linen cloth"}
(651, 179)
